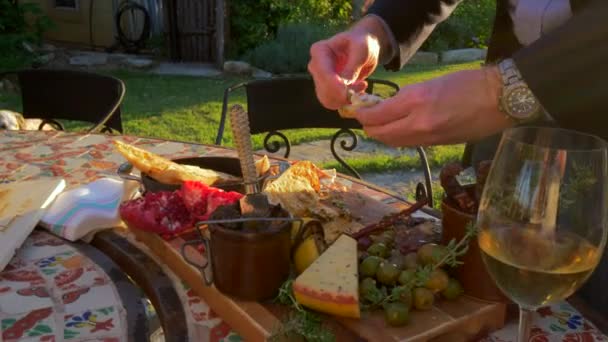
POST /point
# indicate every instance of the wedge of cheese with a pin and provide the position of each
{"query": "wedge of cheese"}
(330, 284)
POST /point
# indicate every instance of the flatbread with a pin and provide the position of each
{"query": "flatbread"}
(297, 189)
(144, 161)
(167, 171)
(358, 101)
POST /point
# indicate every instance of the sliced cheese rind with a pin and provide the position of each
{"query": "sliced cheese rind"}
(330, 284)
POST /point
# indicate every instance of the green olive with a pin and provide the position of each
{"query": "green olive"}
(378, 249)
(438, 281)
(396, 314)
(367, 286)
(453, 290)
(405, 295)
(369, 266)
(387, 273)
(398, 260)
(362, 255)
(431, 253)
(411, 260)
(381, 238)
(407, 277)
(390, 234)
(423, 298)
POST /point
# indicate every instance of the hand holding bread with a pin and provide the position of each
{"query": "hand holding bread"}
(358, 101)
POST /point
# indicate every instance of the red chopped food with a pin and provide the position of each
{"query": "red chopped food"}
(173, 212)
(158, 212)
(218, 198)
(195, 195)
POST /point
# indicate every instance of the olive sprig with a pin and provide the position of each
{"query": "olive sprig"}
(455, 250)
(450, 255)
(378, 297)
(300, 322)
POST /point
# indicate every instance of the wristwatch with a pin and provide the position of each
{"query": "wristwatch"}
(517, 100)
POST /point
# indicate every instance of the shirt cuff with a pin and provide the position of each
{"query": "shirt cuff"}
(393, 47)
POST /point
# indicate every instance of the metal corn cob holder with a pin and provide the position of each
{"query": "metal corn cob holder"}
(239, 122)
(254, 203)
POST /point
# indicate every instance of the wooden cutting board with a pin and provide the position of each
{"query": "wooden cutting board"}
(459, 320)
(22, 205)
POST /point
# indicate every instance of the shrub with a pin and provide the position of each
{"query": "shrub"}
(254, 22)
(15, 30)
(469, 26)
(289, 52)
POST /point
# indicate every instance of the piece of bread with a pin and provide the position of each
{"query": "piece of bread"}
(167, 171)
(296, 189)
(358, 101)
(262, 165)
(144, 161)
(181, 173)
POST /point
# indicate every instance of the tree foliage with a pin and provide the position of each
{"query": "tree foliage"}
(254, 22)
(19, 23)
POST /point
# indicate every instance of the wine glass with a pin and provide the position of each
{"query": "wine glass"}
(543, 215)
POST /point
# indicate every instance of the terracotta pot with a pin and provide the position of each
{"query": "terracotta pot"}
(472, 274)
(249, 265)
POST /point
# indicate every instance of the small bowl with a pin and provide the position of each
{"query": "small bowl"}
(229, 165)
(472, 274)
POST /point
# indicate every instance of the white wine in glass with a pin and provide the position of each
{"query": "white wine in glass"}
(543, 215)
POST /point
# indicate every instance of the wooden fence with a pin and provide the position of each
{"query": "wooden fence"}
(195, 33)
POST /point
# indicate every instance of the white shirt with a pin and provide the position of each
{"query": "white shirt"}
(531, 20)
(534, 18)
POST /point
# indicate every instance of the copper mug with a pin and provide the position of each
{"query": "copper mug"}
(246, 265)
(472, 274)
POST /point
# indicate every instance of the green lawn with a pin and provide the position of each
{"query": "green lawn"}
(188, 108)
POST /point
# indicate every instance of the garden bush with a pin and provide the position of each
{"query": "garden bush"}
(289, 51)
(253, 23)
(469, 26)
(20, 23)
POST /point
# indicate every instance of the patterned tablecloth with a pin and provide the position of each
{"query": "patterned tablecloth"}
(52, 292)
(76, 302)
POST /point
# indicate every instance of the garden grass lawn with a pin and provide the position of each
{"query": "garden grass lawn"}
(189, 108)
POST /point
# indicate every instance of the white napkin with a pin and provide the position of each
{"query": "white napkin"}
(79, 212)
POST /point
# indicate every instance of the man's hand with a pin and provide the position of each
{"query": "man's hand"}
(345, 60)
(455, 108)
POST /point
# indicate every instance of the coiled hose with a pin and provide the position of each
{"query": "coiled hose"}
(129, 44)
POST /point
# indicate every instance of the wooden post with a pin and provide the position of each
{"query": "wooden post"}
(220, 32)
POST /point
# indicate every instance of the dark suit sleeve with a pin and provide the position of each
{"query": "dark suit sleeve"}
(411, 22)
(567, 70)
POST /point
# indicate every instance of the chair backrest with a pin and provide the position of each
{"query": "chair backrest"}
(72, 95)
(290, 103)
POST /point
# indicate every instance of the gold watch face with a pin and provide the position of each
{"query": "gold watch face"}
(521, 103)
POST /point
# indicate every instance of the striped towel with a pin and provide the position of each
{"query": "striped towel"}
(79, 213)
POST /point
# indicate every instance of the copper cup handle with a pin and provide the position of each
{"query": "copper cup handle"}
(205, 268)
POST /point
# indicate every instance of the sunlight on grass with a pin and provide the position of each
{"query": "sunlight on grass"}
(436, 155)
(189, 109)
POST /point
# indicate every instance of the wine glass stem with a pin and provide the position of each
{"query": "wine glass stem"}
(525, 320)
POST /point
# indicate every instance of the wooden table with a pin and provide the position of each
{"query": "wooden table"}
(83, 158)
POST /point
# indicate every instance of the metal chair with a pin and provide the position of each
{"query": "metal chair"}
(290, 102)
(71, 95)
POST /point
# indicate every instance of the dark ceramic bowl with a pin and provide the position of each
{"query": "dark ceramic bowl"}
(227, 165)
